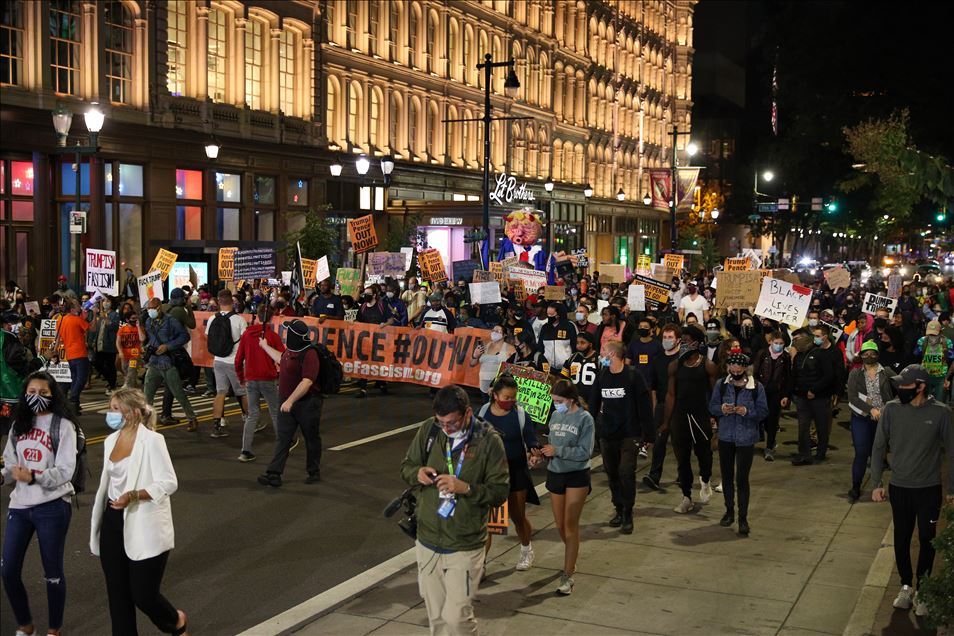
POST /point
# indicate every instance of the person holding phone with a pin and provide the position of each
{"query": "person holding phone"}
(490, 357)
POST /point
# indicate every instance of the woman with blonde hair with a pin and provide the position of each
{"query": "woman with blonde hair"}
(132, 530)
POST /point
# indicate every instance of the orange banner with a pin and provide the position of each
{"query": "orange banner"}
(375, 352)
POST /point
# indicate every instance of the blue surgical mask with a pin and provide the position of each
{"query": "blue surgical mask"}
(559, 407)
(153, 313)
(819, 341)
(114, 420)
(604, 361)
(778, 348)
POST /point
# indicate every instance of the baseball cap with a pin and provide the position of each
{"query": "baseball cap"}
(738, 358)
(61, 278)
(176, 294)
(10, 318)
(933, 328)
(871, 345)
(911, 374)
(585, 335)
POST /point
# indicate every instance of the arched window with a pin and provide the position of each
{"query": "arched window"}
(532, 93)
(431, 43)
(119, 50)
(354, 114)
(287, 54)
(413, 32)
(468, 56)
(518, 147)
(413, 125)
(395, 14)
(531, 142)
(374, 25)
(333, 110)
(395, 115)
(543, 80)
(435, 146)
(217, 54)
(374, 112)
(453, 136)
(467, 154)
(254, 63)
(453, 49)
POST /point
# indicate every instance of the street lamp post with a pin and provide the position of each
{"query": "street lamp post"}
(767, 177)
(691, 149)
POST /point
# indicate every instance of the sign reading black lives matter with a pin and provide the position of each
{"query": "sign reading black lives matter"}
(256, 263)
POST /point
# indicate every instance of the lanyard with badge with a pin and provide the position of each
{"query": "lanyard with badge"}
(449, 501)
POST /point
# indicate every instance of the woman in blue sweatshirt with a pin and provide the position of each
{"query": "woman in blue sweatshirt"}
(572, 434)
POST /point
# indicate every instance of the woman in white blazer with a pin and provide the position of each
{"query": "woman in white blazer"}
(132, 529)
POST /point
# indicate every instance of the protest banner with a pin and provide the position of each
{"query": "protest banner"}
(673, 261)
(499, 521)
(432, 267)
(163, 262)
(895, 282)
(554, 292)
(386, 264)
(349, 281)
(636, 297)
(322, 270)
(150, 286)
(874, 302)
(838, 277)
(485, 293)
(531, 278)
(47, 335)
(255, 263)
(656, 293)
(612, 273)
(580, 257)
(743, 264)
(481, 276)
(644, 264)
(782, 301)
(533, 390)
(464, 270)
(375, 352)
(101, 272)
(227, 263)
(738, 288)
(363, 236)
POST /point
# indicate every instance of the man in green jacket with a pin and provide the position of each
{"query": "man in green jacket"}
(460, 465)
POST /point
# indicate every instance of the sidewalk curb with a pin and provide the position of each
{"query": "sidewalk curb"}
(863, 617)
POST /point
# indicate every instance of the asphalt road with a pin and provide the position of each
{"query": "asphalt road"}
(246, 552)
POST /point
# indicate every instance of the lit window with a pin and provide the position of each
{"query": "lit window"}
(119, 49)
(21, 177)
(228, 187)
(394, 29)
(375, 118)
(253, 64)
(353, 114)
(264, 190)
(286, 72)
(177, 16)
(188, 222)
(227, 222)
(332, 109)
(64, 45)
(217, 57)
(373, 26)
(11, 42)
(188, 184)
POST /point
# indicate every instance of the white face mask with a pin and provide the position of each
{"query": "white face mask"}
(496, 336)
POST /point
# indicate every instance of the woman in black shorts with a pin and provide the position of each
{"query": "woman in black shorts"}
(568, 474)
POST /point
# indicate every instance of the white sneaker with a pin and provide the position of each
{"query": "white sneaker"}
(904, 597)
(684, 506)
(705, 492)
(920, 607)
(643, 453)
(566, 585)
(718, 488)
(526, 558)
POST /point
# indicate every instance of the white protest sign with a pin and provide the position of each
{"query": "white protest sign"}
(532, 279)
(351, 315)
(286, 278)
(150, 286)
(101, 272)
(874, 302)
(782, 301)
(597, 316)
(322, 271)
(636, 298)
(408, 257)
(60, 372)
(894, 285)
(485, 293)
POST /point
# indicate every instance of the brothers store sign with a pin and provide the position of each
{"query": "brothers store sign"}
(507, 191)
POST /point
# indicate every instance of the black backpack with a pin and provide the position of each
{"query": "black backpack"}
(220, 341)
(330, 371)
(81, 470)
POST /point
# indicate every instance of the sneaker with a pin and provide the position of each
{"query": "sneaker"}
(904, 598)
(643, 453)
(770, 454)
(920, 607)
(743, 527)
(168, 420)
(188, 390)
(261, 426)
(705, 491)
(650, 483)
(718, 488)
(110, 391)
(684, 506)
(313, 478)
(246, 456)
(270, 479)
(526, 558)
(218, 430)
(802, 461)
(727, 519)
(295, 443)
(617, 519)
(566, 585)
(209, 394)
(854, 495)
(361, 394)
(193, 425)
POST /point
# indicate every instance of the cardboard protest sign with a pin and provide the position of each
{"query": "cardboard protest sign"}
(432, 266)
(60, 372)
(387, 264)
(655, 292)
(163, 262)
(533, 390)
(644, 264)
(481, 276)
(554, 292)
(351, 315)
(612, 273)
(227, 263)
(509, 262)
(47, 335)
(663, 273)
(499, 521)
(150, 286)
(32, 307)
(349, 281)
(786, 275)
(322, 270)
(101, 272)
(673, 261)
(895, 282)
(363, 236)
(738, 264)
(519, 290)
(464, 270)
(485, 293)
(496, 269)
(838, 277)
(874, 302)
(255, 263)
(782, 301)
(738, 289)
(308, 267)
(636, 297)
(531, 278)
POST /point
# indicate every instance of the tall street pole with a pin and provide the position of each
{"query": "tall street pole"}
(488, 67)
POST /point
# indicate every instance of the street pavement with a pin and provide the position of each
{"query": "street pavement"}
(245, 553)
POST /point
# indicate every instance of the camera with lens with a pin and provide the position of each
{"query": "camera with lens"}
(407, 503)
(147, 352)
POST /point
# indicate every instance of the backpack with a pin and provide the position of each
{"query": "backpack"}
(81, 470)
(330, 371)
(220, 341)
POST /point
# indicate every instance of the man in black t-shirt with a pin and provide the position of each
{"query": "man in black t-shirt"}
(582, 366)
(659, 371)
(371, 311)
(622, 399)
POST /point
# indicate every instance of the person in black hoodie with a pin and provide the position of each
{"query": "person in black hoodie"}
(773, 369)
(557, 337)
(813, 381)
(622, 400)
(371, 311)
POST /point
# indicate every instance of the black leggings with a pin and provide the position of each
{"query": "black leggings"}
(131, 584)
(106, 365)
(736, 464)
(910, 505)
(770, 423)
(619, 462)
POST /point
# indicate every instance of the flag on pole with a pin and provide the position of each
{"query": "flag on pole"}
(298, 276)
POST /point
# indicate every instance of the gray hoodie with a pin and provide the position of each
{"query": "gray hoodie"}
(917, 435)
(571, 435)
(35, 451)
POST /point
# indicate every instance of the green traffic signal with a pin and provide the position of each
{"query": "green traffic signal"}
(832, 207)
(940, 217)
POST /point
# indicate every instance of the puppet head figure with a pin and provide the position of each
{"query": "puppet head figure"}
(523, 228)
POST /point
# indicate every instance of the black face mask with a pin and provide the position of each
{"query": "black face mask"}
(643, 332)
(881, 323)
(738, 377)
(906, 395)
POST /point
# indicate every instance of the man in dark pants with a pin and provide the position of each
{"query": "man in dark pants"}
(917, 427)
(179, 309)
(659, 369)
(621, 398)
(813, 377)
(301, 404)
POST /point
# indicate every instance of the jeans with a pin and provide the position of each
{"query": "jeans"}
(131, 584)
(185, 373)
(862, 438)
(79, 370)
(736, 464)
(819, 410)
(106, 365)
(49, 521)
(154, 377)
(619, 462)
(306, 415)
(910, 505)
(257, 389)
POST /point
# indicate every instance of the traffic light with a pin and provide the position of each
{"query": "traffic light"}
(832, 206)
(940, 217)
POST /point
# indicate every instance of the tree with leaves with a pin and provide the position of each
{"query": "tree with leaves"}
(317, 237)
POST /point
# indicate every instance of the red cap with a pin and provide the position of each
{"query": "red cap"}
(62, 277)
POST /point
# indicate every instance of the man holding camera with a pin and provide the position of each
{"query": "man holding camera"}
(459, 463)
(161, 335)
